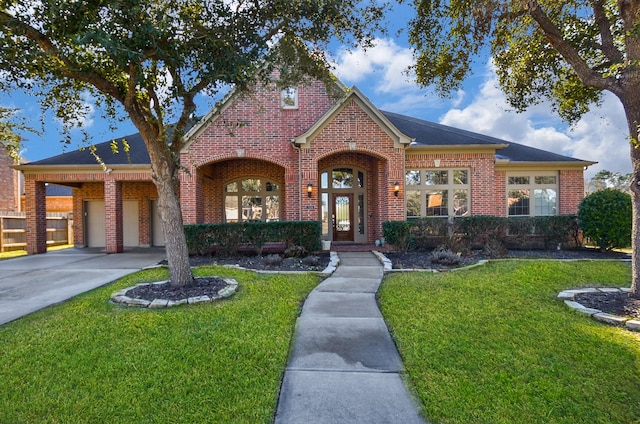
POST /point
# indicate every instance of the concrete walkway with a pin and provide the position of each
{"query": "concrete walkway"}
(344, 366)
(30, 283)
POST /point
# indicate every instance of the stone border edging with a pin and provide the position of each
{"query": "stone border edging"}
(568, 296)
(121, 297)
(388, 266)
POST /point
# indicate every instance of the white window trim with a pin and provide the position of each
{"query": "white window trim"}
(532, 186)
(284, 95)
(450, 187)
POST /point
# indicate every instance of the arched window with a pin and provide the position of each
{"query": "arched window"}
(251, 199)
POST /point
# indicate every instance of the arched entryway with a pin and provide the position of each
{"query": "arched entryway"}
(343, 203)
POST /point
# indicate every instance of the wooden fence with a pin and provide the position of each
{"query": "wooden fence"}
(13, 234)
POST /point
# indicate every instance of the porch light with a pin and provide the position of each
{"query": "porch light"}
(396, 189)
(309, 189)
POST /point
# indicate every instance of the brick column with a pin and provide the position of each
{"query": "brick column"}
(36, 209)
(189, 189)
(114, 234)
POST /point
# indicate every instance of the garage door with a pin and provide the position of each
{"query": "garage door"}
(131, 223)
(94, 223)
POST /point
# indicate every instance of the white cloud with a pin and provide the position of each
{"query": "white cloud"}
(600, 136)
(382, 73)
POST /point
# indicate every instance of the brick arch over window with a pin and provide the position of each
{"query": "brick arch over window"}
(215, 176)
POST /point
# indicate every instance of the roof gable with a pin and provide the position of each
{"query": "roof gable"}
(354, 94)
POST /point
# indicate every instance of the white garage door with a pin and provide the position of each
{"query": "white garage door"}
(94, 223)
(131, 223)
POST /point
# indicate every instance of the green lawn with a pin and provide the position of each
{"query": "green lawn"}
(16, 253)
(494, 345)
(488, 345)
(88, 361)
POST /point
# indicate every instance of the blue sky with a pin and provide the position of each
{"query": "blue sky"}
(381, 74)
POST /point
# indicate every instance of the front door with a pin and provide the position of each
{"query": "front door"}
(343, 217)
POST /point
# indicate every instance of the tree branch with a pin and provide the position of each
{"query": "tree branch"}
(608, 45)
(68, 68)
(588, 76)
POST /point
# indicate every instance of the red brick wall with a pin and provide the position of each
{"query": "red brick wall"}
(250, 128)
(353, 138)
(571, 191)
(485, 193)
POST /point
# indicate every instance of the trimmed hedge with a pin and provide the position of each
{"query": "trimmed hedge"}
(227, 239)
(473, 232)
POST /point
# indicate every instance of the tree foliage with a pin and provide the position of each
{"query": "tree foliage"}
(147, 60)
(607, 179)
(567, 52)
(10, 126)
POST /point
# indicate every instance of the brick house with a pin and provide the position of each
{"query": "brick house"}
(297, 154)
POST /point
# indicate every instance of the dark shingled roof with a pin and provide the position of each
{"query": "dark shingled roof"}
(137, 154)
(428, 133)
(425, 133)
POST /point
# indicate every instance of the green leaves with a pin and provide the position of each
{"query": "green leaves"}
(605, 218)
(566, 52)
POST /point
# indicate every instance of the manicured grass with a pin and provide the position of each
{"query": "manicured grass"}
(16, 253)
(91, 361)
(494, 345)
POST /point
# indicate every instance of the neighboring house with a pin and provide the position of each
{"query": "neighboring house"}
(59, 198)
(295, 155)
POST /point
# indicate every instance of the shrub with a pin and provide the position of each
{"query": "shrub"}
(476, 230)
(273, 260)
(398, 234)
(444, 256)
(605, 218)
(227, 239)
(428, 233)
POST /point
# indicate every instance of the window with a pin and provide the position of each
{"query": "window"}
(252, 199)
(532, 195)
(289, 98)
(437, 192)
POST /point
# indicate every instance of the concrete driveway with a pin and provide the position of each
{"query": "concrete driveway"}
(30, 283)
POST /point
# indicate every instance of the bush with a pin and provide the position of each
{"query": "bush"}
(227, 239)
(476, 230)
(444, 256)
(606, 217)
(398, 234)
(427, 233)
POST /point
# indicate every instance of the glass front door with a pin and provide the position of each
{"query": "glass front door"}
(343, 217)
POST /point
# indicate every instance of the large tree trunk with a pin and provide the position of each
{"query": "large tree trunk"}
(635, 232)
(632, 111)
(165, 174)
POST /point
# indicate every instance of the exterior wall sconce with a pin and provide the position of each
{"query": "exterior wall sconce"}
(396, 189)
(309, 189)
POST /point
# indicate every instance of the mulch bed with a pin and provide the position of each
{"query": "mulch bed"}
(201, 286)
(612, 303)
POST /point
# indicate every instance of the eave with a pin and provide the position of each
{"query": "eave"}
(457, 148)
(58, 169)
